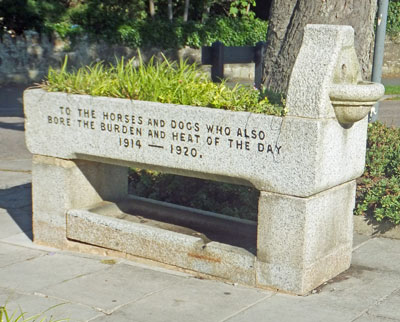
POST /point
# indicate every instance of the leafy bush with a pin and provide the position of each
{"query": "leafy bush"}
(176, 34)
(126, 22)
(20, 15)
(165, 82)
(378, 193)
(227, 199)
(103, 18)
(393, 22)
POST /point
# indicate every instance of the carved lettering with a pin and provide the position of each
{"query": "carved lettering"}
(181, 138)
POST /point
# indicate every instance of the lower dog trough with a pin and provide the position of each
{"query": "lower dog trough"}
(304, 164)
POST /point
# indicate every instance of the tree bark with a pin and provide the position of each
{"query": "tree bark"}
(286, 28)
(170, 10)
(186, 11)
(152, 9)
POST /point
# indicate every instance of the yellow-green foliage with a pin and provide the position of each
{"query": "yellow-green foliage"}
(164, 82)
(20, 316)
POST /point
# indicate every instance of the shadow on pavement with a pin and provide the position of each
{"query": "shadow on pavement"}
(11, 100)
(18, 204)
(19, 126)
(379, 227)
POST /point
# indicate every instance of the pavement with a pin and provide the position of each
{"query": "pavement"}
(85, 287)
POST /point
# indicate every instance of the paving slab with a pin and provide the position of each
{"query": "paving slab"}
(386, 255)
(9, 179)
(6, 295)
(44, 271)
(359, 240)
(10, 254)
(113, 287)
(193, 300)
(15, 222)
(49, 308)
(16, 165)
(24, 239)
(344, 298)
(16, 197)
(12, 132)
(389, 307)
(289, 308)
(372, 318)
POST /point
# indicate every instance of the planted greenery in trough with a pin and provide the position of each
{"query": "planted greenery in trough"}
(161, 81)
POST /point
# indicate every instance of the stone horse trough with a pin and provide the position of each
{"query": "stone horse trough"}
(304, 164)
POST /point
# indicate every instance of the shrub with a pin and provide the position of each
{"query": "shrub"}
(378, 192)
(103, 18)
(41, 15)
(176, 34)
(124, 22)
(393, 22)
(227, 199)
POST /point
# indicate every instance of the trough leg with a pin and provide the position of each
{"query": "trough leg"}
(302, 242)
(59, 185)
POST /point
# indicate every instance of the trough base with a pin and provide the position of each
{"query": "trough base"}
(297, 244)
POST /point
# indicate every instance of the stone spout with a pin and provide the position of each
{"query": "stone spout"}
(352, 102)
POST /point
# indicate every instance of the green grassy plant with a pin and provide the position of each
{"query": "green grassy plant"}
(159, 81)
(378, 192)
(6, 316)
(392, 90)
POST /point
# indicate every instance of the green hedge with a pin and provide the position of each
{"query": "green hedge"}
(393, 22)
(232, 200)
(378, 192)
(126, 22)
(165, 34)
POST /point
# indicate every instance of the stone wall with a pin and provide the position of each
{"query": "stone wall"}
(25, 59)
(391, 62)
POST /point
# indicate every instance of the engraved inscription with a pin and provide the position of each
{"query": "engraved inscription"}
(186, 138)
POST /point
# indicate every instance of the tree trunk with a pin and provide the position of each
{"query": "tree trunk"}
(152, 9)
(286, 28)
(206, 10)
(170, 11)
(186, 11)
